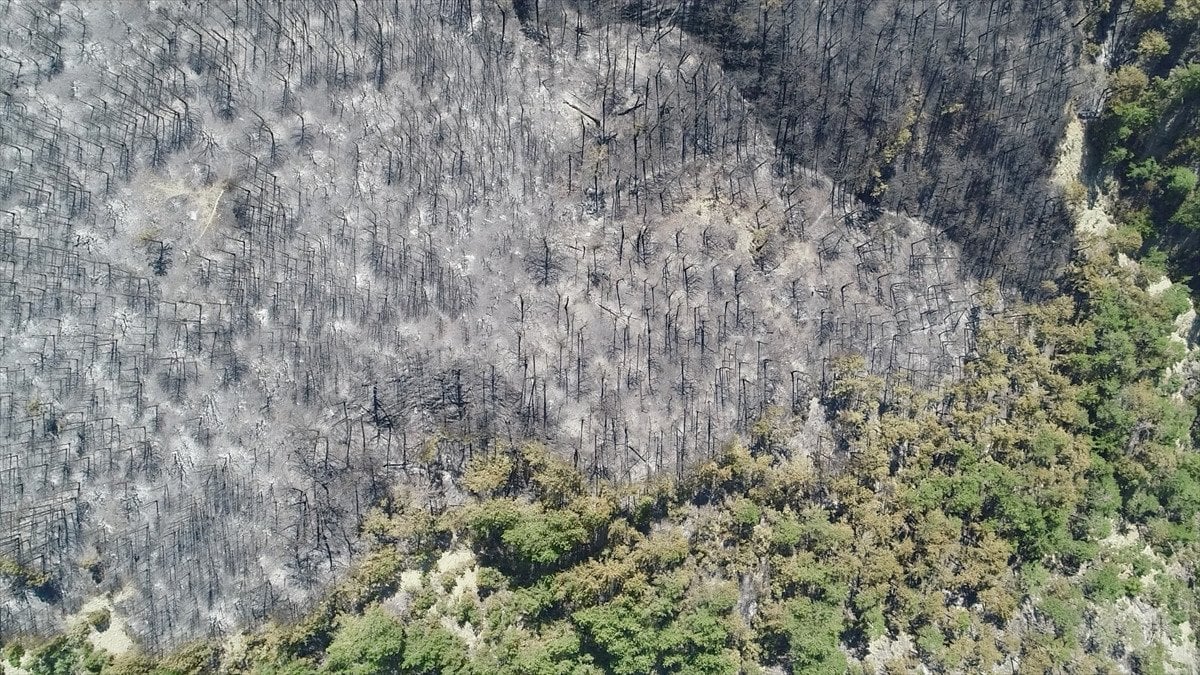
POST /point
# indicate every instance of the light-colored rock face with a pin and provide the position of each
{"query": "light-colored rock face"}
(302, 273)
(885, 650)
(453, 577)
(106, 630)
(1091, 214)
(454, 561)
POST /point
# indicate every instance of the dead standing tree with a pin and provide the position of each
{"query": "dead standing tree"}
(260, 262)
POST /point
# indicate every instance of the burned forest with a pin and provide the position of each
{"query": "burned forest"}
(265, 266)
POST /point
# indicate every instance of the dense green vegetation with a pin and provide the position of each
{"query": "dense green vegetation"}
(1041, 510)
(1149, 131)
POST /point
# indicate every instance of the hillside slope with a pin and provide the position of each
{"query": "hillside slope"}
(948, 111)
(264, 261)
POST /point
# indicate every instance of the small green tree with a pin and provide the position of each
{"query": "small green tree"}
(1146, 8)
(1180, 181)
(369, 643)
(488, 475)
(432, 650)
(1184, 12)
(813, 635)
(1188, 213)
(1128, 82)
(1152, 46)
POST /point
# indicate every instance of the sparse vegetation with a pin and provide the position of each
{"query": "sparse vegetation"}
(1148, 134)
(24, 577)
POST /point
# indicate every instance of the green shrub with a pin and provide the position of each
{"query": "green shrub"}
(432, 650)
(1180, 181)
(1145, 8)
(1147, 170)
(13, 653)
(1188, 214)
(746, 514)
(193, 658)
(1153, 45)
(373, 642)
(1103, 583)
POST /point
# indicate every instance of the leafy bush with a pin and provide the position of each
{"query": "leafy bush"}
(432, 650)
(1152, 45)
(369, 643)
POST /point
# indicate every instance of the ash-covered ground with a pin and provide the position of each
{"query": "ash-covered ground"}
(260, 262)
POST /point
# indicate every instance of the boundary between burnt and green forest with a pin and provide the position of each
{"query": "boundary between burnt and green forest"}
(1040, 511)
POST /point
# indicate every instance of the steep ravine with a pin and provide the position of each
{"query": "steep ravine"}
(1093, 220)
